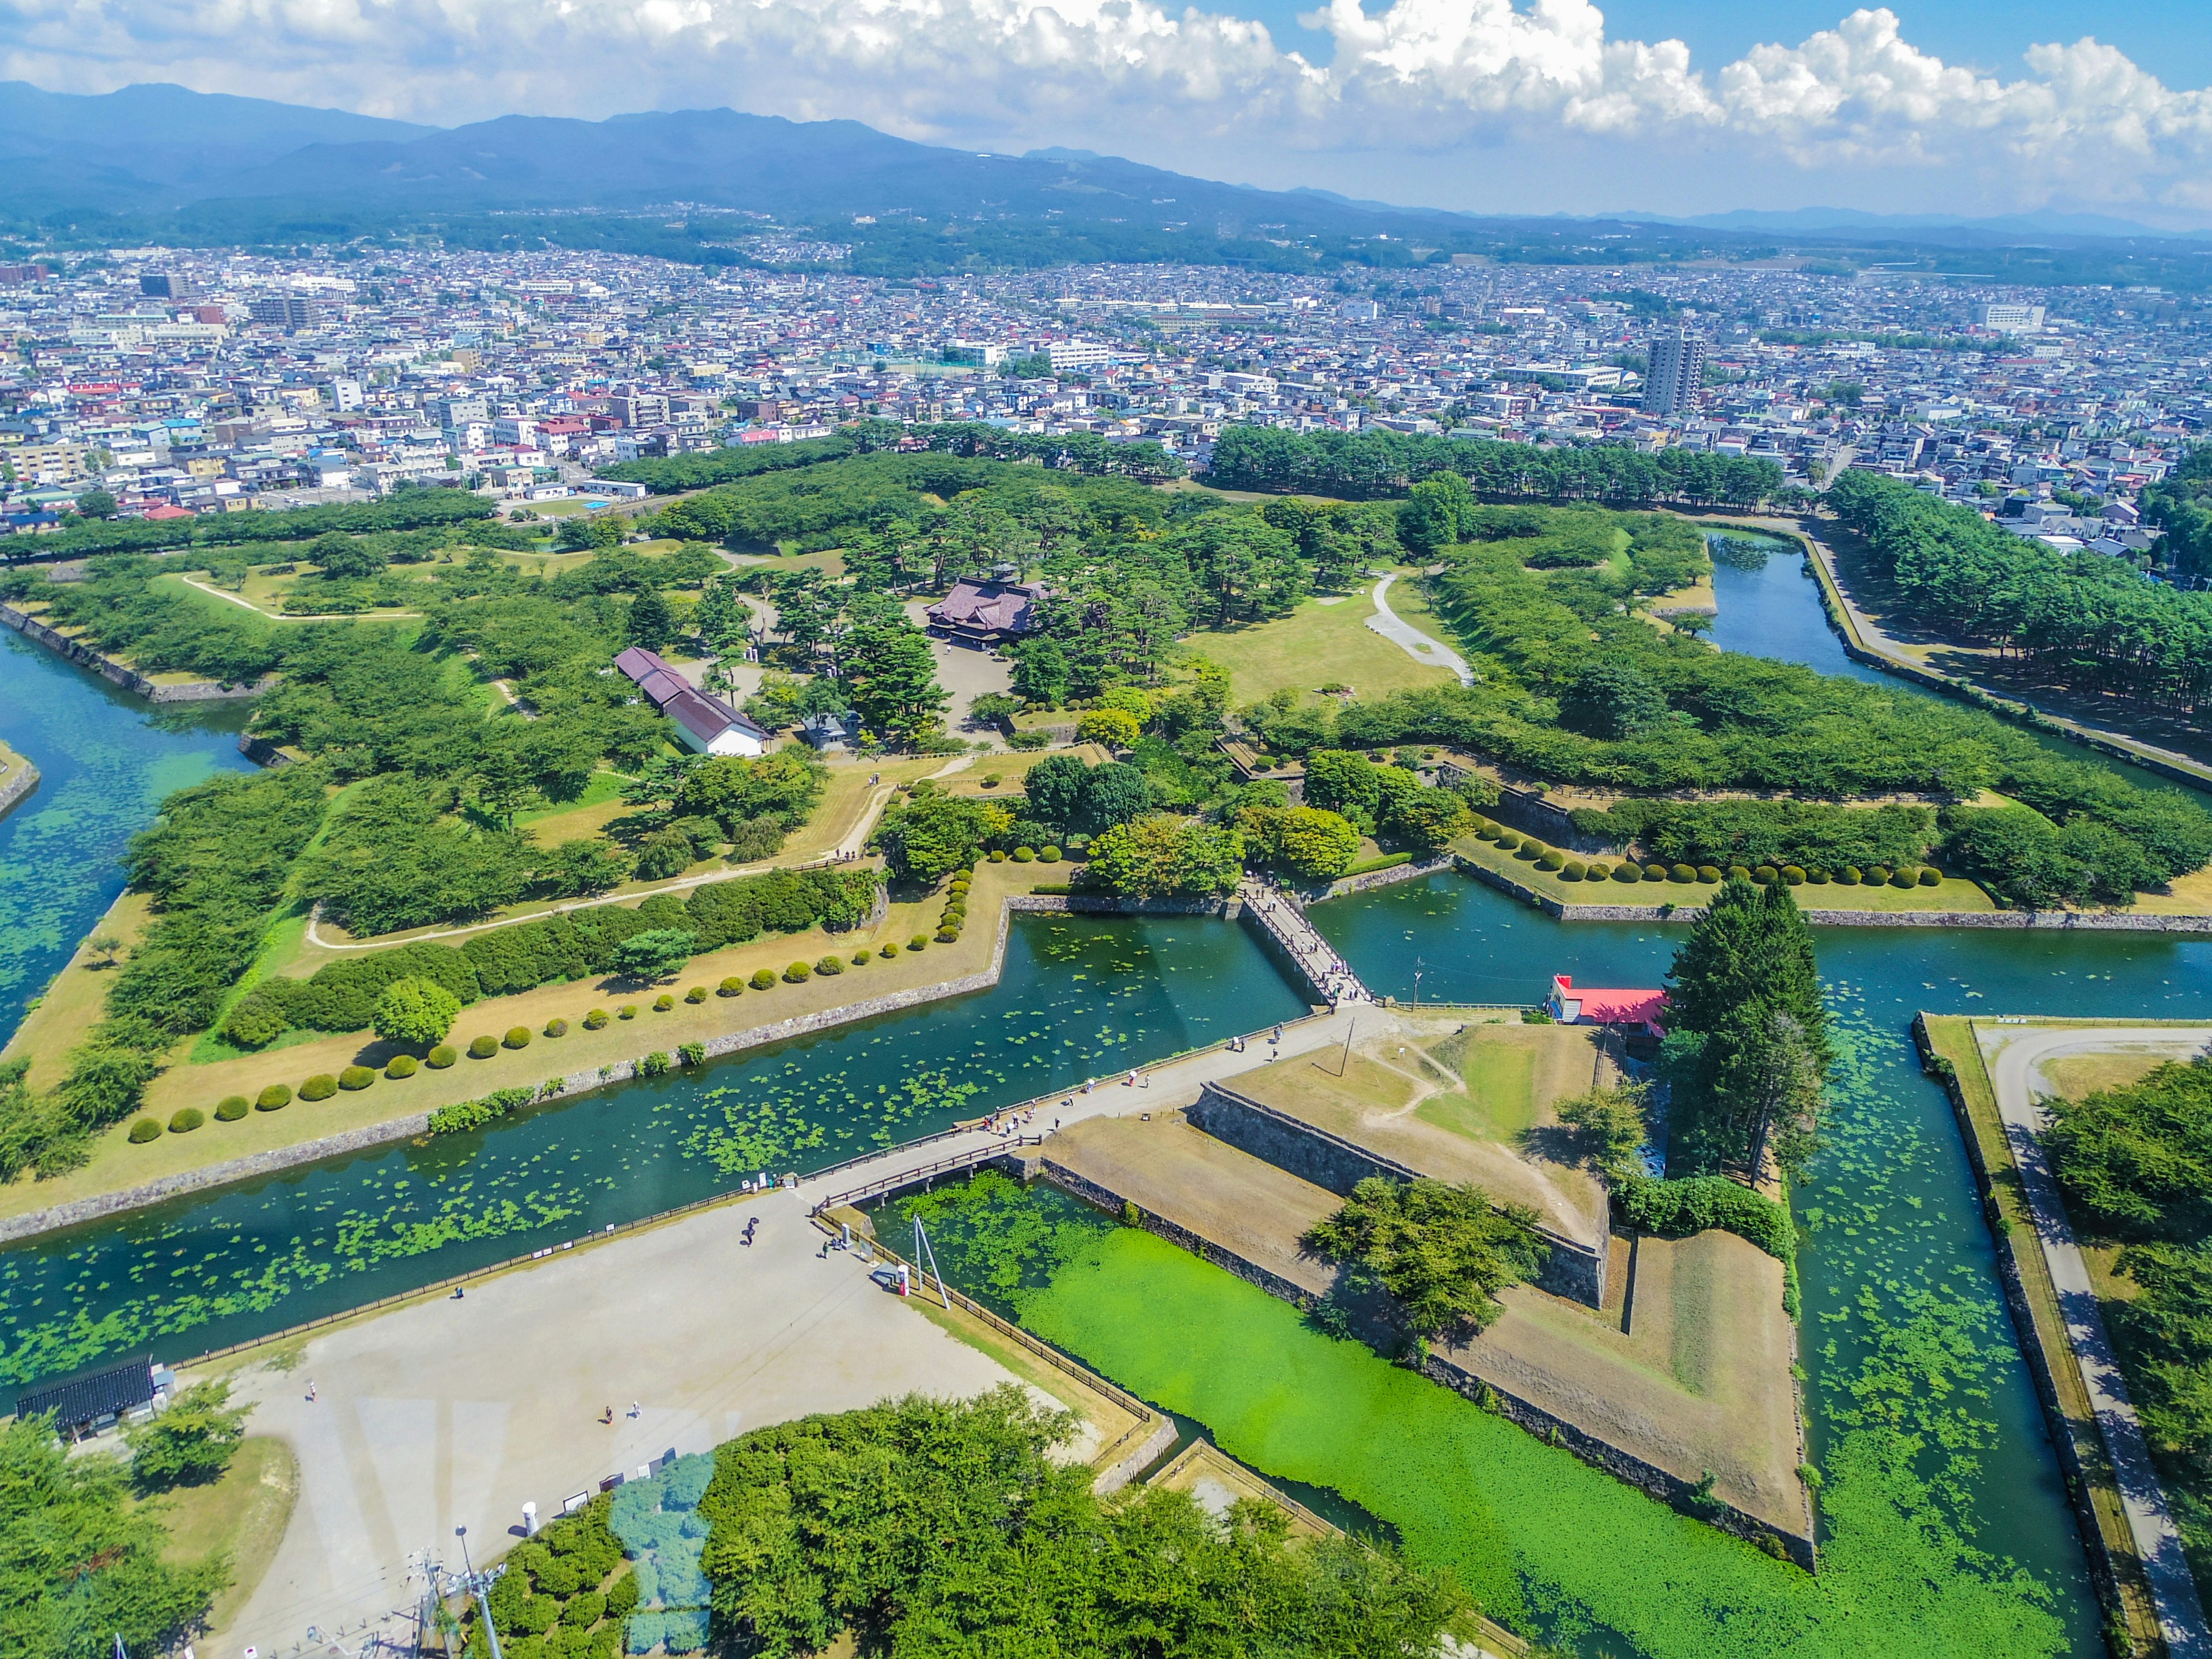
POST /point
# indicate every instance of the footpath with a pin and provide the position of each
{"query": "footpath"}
(2015, 1057)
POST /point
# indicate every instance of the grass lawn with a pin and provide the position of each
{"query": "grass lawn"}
(58, 1020)
(1324, 642)
(2078, 1076)
(1951, 894)
(243, 1515)
(116, 1164)
(1500, 1101)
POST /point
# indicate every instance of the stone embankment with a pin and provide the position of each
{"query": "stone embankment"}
(123, 674)
(17, 788)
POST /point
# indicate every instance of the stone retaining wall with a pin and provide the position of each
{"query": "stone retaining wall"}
(1411, 870)
(58, 1217)
(123, 674)
(1623, 1466)
(2109, 921)
(1573, 1270)
(18, 786)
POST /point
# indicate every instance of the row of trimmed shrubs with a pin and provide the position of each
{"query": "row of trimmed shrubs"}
(1530, 849)
(278, 1096)
(341, 996)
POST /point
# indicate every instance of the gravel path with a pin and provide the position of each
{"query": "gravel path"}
(2015, 1057)
(1419, 646)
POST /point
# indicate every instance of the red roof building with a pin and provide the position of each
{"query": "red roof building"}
(1586, 1006)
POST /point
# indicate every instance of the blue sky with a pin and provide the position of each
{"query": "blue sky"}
(1504, 105)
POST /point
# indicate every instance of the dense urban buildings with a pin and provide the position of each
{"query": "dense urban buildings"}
(193, 382)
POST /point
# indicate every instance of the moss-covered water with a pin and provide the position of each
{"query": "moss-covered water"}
(1079, 998)
(106, 759)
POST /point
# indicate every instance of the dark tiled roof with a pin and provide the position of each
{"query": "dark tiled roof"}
(90, 1395)
(988, 607)
(707, 718)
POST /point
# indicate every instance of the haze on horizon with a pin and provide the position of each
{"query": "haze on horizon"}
(1489, 105)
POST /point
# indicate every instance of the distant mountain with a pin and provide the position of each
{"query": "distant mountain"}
(1853, 222)
(149, 146)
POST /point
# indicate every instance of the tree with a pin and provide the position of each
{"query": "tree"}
(96, 504)
(1305, 841)
(1612, 699)
(80, 1564)
(1113, 793)
(892, 675)
(645, 959)
(504, 784)
(725, 620)
(1112, 728)
(1609, 1123)
(932, 834)
(1055, 784)
(1436, 513)
(1441, 1250)
(651, 623)
(585, 866)
(1428, 818)
(189, 1443)
(417, 1013)
(1161, 854)
(343, 558)
(104, 944)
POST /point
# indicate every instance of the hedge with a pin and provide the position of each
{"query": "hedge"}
(763, 978)
(355, 1078)
(556, 1027)
(321, 1086)
(341, 996)
(888, 948)
(274, 1099)
(919, 942)
(696, 993)
(474, 1114)
(1677, 1209)
(859, 958)
(595, 1019)
(1364, 867)
(733, 986)
(184, 1122)
(830, 964)
(400, 1066)
(798, 973)
(440, 1057)
(233, 1108)
(483, 1047)
(663, 1002)
(145, 1130)
(518, 1037)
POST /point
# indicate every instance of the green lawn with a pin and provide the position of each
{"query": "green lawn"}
(1325, 640)
(1951, 893)
(1500, 1101)
(243, 1515)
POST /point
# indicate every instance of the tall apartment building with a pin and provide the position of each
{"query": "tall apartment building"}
(287, 310)
(1677, 370)
(165, 285)
(2004, 318)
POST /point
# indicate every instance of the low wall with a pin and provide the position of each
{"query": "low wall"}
(18, 786)
(261, 751)
(121, 673)
(2088, 921)
(1624, 1465)
(1573, 1270)
(1411, 871)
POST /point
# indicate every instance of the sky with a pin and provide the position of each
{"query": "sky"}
(1955, 106)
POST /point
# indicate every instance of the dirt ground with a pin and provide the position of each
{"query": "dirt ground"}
(1425, 1107)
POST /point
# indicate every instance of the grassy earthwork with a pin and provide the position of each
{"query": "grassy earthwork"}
(242, 1516)
(1324, 642)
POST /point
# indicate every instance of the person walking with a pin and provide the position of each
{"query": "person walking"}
(311, 1390)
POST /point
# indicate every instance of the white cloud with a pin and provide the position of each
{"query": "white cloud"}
(1202, 91)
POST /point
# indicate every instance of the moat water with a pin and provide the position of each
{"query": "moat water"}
(1903, 1332)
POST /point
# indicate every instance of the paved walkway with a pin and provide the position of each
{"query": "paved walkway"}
(457, 1413)
(1428, 653)
(2015, 1056)
(1286, 924)
(1166, 1087)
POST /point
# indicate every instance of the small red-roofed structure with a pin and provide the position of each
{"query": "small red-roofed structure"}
(1588, 1005)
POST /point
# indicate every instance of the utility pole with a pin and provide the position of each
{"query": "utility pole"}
(1343, 1066)
(1417, 981)
(479, 1583)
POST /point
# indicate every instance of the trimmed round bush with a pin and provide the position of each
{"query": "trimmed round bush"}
(762, 978)
(1654, 872)
(948, 936)
(1739, 873)
(1818, 876)
(830, 965)
(1573, 870)
(1793, 875)
(595, 1019)
(400, 1066)
(1930, 875)
(919, 942)
(628, 1011)
(997, 857)
(145, 1130)
(274, 1099)
(1905, 879)
(355, 1079)
(440, 1057)
(184, 1122)
(1627, 873)
(1874, 876)
(1553, 859)
(321, 1086)
(1529, 851)
(1764, 874)
(1025, 856)
(959, 884)
(1848, 875)
(1507, 841)
(798, 973)
(483, 1047)
(731, 986)
(887, 949)
(859, 958)
(233, 1108)
(556, 1027)
(1485, 831)
(1710, 874)
(1682, 874)
(518, 1037)
(663, 1002)
(696, 993)
(1047, 855)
